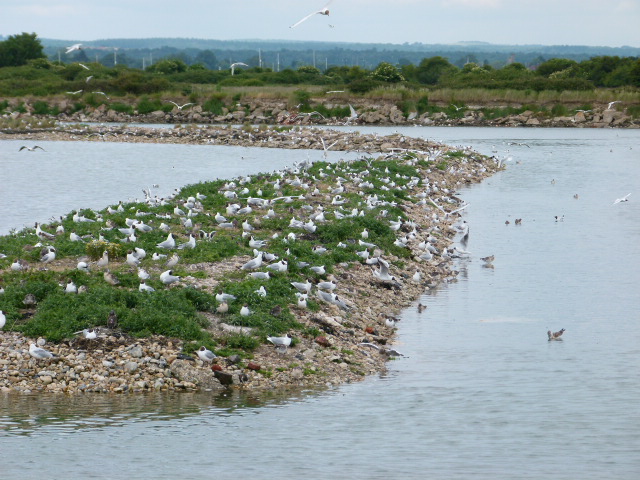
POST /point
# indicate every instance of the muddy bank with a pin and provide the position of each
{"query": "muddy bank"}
(353, 336)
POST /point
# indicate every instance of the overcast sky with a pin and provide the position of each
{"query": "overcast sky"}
(548, 22)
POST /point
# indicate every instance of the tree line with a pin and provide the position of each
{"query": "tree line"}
(27, 70)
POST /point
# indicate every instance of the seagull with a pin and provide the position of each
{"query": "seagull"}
(49, 255)
(206, 355)
(611, 104)
(39, 353)
(555, 335)
(383, 273)
(190, 244)
(168, 243)
(237, 64)
(253, 263)
(244, 311)
(623, 199)
(143, 274)
(71, 287)
(132, 259)
(73, 48)
(225, 297)
(143, 287)
(104, 260)
(110, 278)
(76, 92)
(112, 320)
(88, 333)
(102, 93)
(281, 343)
(3, 319)
(302, 287)
(168, 277)
(31, 149)
(42, 234)
(19, 265)
(323, 11)
(180, 107)
(353, 116)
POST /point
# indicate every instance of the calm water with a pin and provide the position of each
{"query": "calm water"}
(481, 393)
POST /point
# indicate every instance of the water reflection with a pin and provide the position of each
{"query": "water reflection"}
(27, 414)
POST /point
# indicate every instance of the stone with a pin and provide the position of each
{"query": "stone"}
(130, 367)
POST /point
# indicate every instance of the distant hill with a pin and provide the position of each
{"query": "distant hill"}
(286, 54)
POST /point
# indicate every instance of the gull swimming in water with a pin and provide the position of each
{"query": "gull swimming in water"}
(323, 11)
(555, 335)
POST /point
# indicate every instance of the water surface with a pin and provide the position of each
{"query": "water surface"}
(481, 394)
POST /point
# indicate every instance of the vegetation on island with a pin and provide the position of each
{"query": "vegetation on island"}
(179, 310)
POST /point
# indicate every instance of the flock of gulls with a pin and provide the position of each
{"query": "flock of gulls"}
(323, 196)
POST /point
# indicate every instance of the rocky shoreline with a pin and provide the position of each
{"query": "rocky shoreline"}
(370, 112)
(356, 334)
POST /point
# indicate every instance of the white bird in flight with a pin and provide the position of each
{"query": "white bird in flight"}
(73, 48)
(623, 199)
(180, 107)
(237, 64)
(323, 11)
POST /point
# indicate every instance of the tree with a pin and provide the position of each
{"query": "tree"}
(432, 69)
(208, 59)
(19, 49)
(385, 72)
(554, 65)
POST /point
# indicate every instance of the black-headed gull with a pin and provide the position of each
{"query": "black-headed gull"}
(323, 11)
(555, 335)
(168, 277)
(180, 107)
(623, 199)
(237, 64)
(73, 48)
(206, 355)
(31, 149)
(281, 343)
(39, 353)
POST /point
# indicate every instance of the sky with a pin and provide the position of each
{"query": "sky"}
(612, 23)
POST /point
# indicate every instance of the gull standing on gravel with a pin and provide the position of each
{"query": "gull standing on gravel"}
(206, 355)
(39, 353)
(281, 343)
